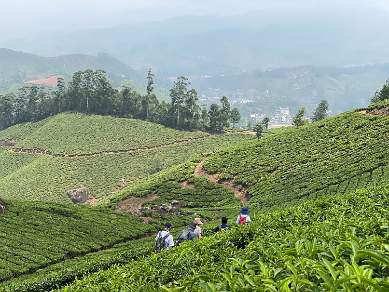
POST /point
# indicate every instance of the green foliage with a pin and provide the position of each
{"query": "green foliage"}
(47, 178)
(35, 235)
(321, 111)
(265, 123)
(91, 92)
(235, 116)
(332, 156)
(258, 130)
(298, 120)
(334, 243)
(79, 134)
(382, 94)
(66, 272)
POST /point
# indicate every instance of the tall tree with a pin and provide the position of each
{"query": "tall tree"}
(215, 119)
(191, 110)
(382, 94)
(235, 117)
(265, 123)
(59, 95)
(128, 103)
(149, 100)
(204, 119)
(258, 129)
(90, 91)
(321, 111)
(225, 113)
(6, 110)
(298, 120)
(178, 95)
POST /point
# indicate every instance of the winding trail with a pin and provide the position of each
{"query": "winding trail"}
(39, 151)
(239, 191)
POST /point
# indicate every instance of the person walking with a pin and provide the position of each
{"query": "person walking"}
(222, 226)
(193, 231)
(164, 239)
(243, 217)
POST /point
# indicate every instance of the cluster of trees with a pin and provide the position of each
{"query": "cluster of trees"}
(91, 92)
(261, 127)
(320, 113)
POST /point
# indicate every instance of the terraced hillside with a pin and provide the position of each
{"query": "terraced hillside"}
(303, 237)
(333, 235)
(333, 156)
(44, 160)
(334, 243)
(36, 235)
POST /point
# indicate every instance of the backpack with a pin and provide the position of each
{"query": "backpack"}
(160, 243)
(242, 220)
(186, 234)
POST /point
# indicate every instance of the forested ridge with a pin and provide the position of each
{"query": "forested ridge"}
(91, 92)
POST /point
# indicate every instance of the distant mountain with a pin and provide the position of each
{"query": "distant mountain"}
(209, 45)
(267, 90)
(17, 68)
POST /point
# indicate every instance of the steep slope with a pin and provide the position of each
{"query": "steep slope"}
(333, 156)
(44, 160)
(329, 244)
(35, 235)
(333, 234)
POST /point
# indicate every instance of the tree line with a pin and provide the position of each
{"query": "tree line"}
(91, 92)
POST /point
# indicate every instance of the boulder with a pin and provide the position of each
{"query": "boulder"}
(79, 195)
(122, 183)
(7, 143)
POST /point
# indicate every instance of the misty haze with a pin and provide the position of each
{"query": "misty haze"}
(194, 145)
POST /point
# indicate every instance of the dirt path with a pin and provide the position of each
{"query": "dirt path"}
(38, 151)
(239, 191)
(134, 204)
(384, 111)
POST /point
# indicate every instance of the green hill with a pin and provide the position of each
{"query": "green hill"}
(18, 67)
(318, 197)
(333, 235)
(35, 235)
(49, 158)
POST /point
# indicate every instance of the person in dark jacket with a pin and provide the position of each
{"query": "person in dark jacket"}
(222, 226)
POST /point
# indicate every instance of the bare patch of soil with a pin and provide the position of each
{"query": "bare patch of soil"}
(384, 111)
(239, 191)
(187, 185)
(92, 201)
(134, 204)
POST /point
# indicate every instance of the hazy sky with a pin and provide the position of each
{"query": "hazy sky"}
(22, 17)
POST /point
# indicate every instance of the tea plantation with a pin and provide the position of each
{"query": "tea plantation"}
(333, 236)
(36, 235)
(318, 195)
(336, 243)
(71, 133)
(334, 156)
(76, 150)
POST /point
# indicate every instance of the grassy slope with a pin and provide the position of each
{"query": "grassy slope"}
(337, 241)
(49, 178)
(77, 133)
(35, 235)
(331, 243)
(336, 155)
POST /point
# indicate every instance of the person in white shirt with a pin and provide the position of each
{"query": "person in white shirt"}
(164, 239)
(243, 217)
(197, 230)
